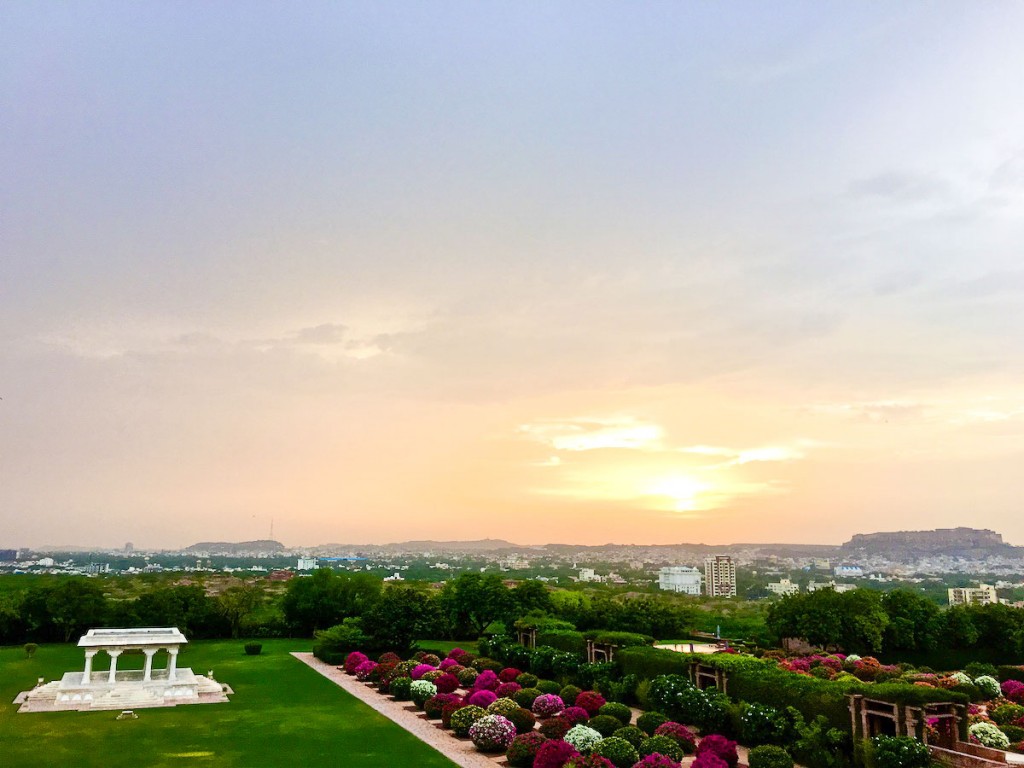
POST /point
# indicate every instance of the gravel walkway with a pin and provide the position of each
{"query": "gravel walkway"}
(403, 713)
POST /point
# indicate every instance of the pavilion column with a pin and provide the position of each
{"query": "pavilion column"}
(147, 673)
(88, 667)
(112, 677)
(172, 663)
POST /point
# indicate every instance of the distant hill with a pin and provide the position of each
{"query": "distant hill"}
(236, 547)
(969, 543)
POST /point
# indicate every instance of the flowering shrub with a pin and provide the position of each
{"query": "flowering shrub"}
(353, 660)
(1013, 690)
(554, 754)
(961, 678)
(468, 676)
(492, 733)
(988, 686)
(509, 674)
(432, 675)
(721, 746)
(575, 715)
(899, 752)
(481, 698)
(680, 734)
(420, 691)
(663, 745)
(435, 704)
(523, 750)
(502, 707)
(632, 734)
(619, 752)
(547, 705)
(590, 761)
(1007, 714)
(447, 664)
(462, 719)
(522, 719)
(620, 712)
(485, 681)
(506, 690)
(419, 670)
(364, 671)
(449, 709)
(989, 735)
(656, 760)
(761, 724)
(389, 658)
(592, 701)
(648, 722)
(555, 727)
(430, 658)
(709, 760)
(455, 653)
(582, 738)
(446, 683)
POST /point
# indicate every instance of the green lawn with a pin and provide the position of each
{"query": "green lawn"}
(281, 714)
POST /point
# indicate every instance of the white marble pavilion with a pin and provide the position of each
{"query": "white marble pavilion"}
(111, 688)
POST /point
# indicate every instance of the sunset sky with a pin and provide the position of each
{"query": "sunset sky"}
(543, 271)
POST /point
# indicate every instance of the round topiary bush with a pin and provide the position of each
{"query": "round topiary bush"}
(525, 697)
(649, 721)
(769, 756)
(606, 725)
(761, 724)
(254, 649)
(400, 688)
(663, 745)
(899, 752)
(720, 746)
(431, 658)
(463, 718)
(554, 754)
(555, 727)
(656, 760)
(576, 715)
(502, 707)
(447, 710)
(569, 694)
(420, 691)
(988, 686)
(709, 760)
(486, 681)
(989, 735)
(446, 683)
(509, 674)
(632, 734)
(366, 671)
(548, 686)
(481, 698)
(620, 752)
(492, 733)
(389, 658)
(507, 690)
(467, 677)
(528, 680)
(522, 719)
(434, 706)
(582, 738)
(523, 750)
(352, 661)
(420, 670)
(619, 711)
(432, 675)
(680, 734)
(592, 701)
(547, 705)
(589, 761)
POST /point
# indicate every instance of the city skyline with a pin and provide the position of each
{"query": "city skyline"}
(637, 274)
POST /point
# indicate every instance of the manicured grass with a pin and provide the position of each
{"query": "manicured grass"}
(447, 645)
(282, 714)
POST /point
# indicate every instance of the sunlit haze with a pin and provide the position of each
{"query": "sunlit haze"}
(546, 272)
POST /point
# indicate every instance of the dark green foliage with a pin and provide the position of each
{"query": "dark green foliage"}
(548, 686)
(683, 702)
(253, 649)
(563, 640)
(1013, 732)
(621, 753)
(473, 600)
(899, 752)
(632, 734)
(332, 645)
(569, 694)
(397, 619)
(326, 599)
(769, 756)
(649, 721)
(524, 697)
(30, 649)
(1009, 672)
(761, 724)
(400, 689)
(464, 718)
(816, 744)
(522, 719)
(622, 639)
(483, 662)
(620, 712)
(662, 745)
(527, 680)
(1005, 714)
(523, 749)
(979, 668)
(648, 663)
(606, 725)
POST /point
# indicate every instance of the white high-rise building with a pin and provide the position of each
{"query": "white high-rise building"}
(983, 594)
(720, 576)
(680, 578)
(307, 564)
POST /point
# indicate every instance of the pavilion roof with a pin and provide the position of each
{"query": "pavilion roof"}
(135, 636)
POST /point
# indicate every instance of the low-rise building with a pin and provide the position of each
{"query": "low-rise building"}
(983, 594)
(783, 587)
(680, 578)
(307, 564)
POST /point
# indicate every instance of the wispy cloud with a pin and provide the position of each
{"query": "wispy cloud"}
(595, 434)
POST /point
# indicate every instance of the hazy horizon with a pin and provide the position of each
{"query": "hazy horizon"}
(633, 272)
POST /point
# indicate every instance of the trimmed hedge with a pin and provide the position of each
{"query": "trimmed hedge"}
(566, 640)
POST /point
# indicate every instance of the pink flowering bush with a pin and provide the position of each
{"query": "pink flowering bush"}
(353, 660)
(589, 761)
(492, 733)
(591, 701)
(554, 754)
(505, 690)
(481, 698)
(523, 749)
(419, 670)
(709, 760)
(657, 760)
(456, 653)
(485, 681)
(509, 674)
(446, 683)
(575, 715)
(364, 670)
(447, 664)
(555, 727)
(435, 705)
(680, 734)
(719, 746)
(548, 705)
(1013, 690)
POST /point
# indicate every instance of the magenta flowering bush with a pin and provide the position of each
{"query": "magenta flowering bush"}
(446, 664)
(492, 733)
(481, 698)
(434, 706)
(509, 674)
(420, 670)
(1013, 690)
(446, 683)
(575, 716)
(589, 761)
(709, 760)
(548, 705)
(591, 701)
(485, 681)
(554, 754)
(365, 670)
(456, 653)
(680, 734)
(505, 690)
(353, 660)
(719, 746)
(523, 749)
(656, 760)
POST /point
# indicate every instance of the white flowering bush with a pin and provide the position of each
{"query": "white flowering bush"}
(492, 733)
(961, 678)
(989, 735)
(988, 686)
(853, 657)
(584, 739)
(421, 690)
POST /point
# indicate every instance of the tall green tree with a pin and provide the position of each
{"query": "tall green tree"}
(325, 599)
(474, 600)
